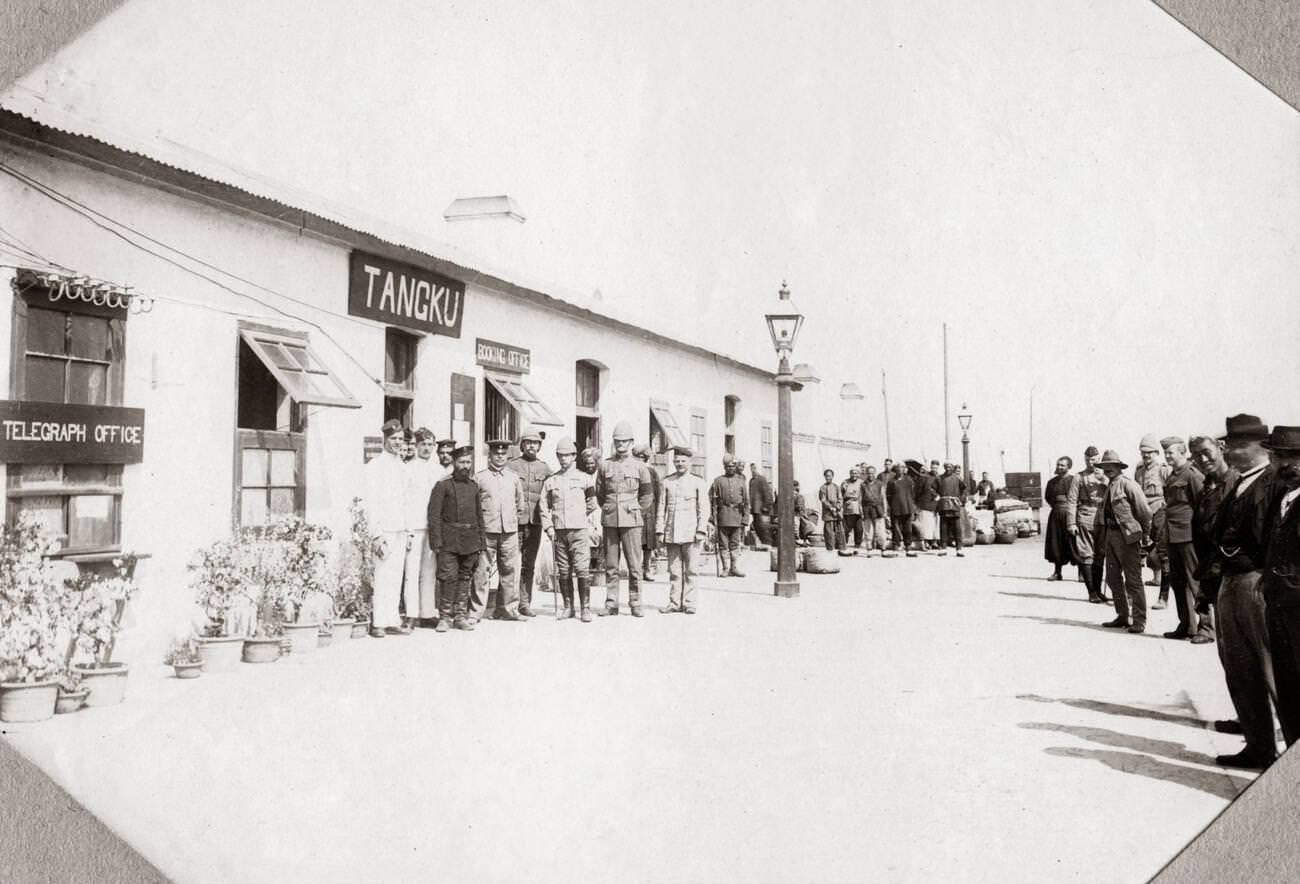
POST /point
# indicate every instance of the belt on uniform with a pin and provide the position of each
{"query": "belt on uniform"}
(460, 524)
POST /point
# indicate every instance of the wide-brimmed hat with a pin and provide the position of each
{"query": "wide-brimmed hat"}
(1244, 426)
(1283, 439)
(1111, 459)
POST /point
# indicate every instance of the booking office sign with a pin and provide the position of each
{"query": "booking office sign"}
(401, 294)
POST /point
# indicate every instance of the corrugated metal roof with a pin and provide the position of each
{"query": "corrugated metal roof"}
(178, 167)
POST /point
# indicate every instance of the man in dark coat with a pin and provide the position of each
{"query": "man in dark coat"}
(1207, 454)
(832, 502)
(729, 514)
(1057, 547)
(1182, 490)
(902, 509)
(1281, 581)
(1241, 544)
(952, 504)
(457, 536)
(649, 535)
(762, 504)
(1125, 529)
(926, 490)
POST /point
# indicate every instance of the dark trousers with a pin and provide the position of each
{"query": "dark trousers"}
(730, 539)
(1205, 598)
(1284, 643)
(1247, 659)
(530, 541)
(853, 529)
(629, 541)
(950, 530)
(1185, 586)
(833, 533)
(905, 530)
(1124, 577)
(455, 570)
(763, 528)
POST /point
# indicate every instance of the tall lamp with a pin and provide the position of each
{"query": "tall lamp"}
(784, 322)
(964, 418)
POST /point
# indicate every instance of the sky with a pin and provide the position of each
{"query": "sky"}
(1104, 211)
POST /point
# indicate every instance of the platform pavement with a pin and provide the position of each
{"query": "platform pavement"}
(930, 719)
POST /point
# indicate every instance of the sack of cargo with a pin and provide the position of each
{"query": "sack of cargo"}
(820, 561)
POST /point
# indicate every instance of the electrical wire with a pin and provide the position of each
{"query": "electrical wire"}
(90, 215)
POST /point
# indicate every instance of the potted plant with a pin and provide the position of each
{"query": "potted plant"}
(294, 568)
(184, 658)
(96, 603)
(72, 695)
(219, 576)
(30, 615)
(356, 574)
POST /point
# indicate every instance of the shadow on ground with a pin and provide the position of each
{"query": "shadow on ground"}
(1120, 709)
(1219, 784)
(1117, 740)
(1050, 598)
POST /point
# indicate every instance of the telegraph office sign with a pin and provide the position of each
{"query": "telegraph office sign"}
(51, 432)
(403, 294)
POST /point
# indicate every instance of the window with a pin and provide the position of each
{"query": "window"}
(73, 352)
(730, 406)
(499, 420)
(400, 350)
(664, 430)
(698, 424)
(765, 448)
(587, 375)
(278, 371)
(80, 503)
(517, 394)
(587, 404)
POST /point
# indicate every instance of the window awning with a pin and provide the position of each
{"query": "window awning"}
(523, 400)
(668, 423)
(298, 369)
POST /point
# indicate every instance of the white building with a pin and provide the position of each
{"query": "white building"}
(283, 332)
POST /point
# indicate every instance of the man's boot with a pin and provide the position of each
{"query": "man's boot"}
(1163, 601)
(584, 598)
(735, 564)
(1097, 572)
(1094, 593)
(566, 587)
(724, 559)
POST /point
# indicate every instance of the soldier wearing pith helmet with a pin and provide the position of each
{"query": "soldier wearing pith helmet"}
(624, 489)
(567, 502)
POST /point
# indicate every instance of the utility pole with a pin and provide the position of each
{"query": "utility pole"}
(1031, 430)
(884, 395)
(947, 445)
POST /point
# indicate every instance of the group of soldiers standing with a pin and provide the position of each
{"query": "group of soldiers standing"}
(445, 534)
(1216, 521)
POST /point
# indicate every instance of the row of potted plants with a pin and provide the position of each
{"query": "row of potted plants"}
(57, 635)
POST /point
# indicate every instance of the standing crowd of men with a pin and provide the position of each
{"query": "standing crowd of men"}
(1215, 520)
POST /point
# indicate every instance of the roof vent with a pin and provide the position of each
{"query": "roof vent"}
(475, 207)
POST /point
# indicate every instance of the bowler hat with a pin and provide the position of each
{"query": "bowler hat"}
(1111, 459)
(1283, 439)
(1244, 426)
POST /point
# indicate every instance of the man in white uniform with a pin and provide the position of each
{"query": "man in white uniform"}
(425, 473)
(386, 489)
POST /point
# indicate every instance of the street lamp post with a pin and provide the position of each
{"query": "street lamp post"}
(964, 418)
(783, 322)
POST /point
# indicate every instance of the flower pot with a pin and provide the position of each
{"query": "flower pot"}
(261, 650)
(360, 628)
(70, 701)
(324, 638)
(220, 654)
(343, 628)
(188, 670)
(20, 701)
(302, 636)
(106, 683)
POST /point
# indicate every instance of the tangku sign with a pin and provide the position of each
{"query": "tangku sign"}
(405, 295)
(51, 432)
(503, 356)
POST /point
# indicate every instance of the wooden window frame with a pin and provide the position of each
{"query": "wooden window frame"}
(699, 442)
(766, 447)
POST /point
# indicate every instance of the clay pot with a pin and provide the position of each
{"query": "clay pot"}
(188, 670)
(106, 683)
(324, 637)
(28, 702)
(303, 637)
(70, 701)
(360, 629)
(261, 650)
(343, 628)
(220, 654)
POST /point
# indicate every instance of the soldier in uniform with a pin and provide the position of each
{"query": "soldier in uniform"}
(387, 490)
(1125, 525)
(624, 489)
(456, 536)
(648, 531)
(1083, 504)
(1182, 489)
(729, 513)
(1151, 475)
(532, 473)
(762, 505)
(851, 494)
(680, 522)
(501, 498)
(567, 501)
